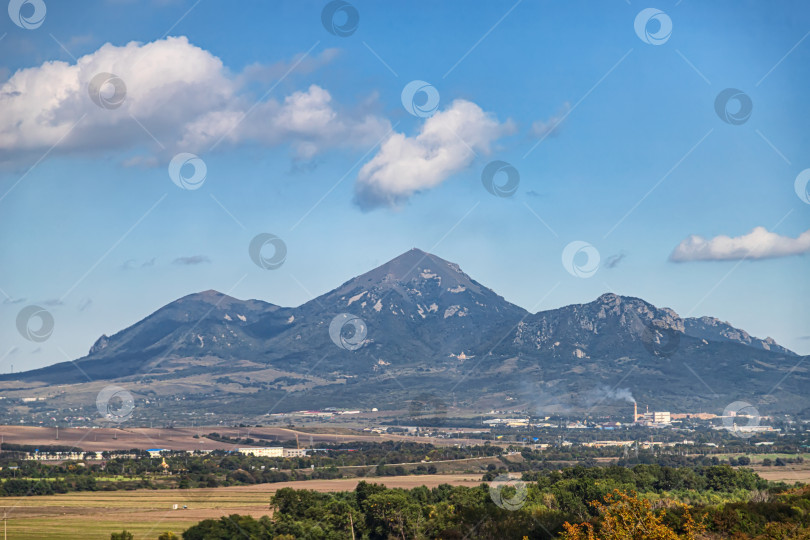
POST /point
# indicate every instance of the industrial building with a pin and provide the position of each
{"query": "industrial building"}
(655, 418)
(269, 451)
(273, 451)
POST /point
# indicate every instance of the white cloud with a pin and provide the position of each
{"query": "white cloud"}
(306, 119)
(758, 244)
(551, 127)
(446, 144)
(183, 95)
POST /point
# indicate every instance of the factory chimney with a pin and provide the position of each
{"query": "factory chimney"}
(635, 412)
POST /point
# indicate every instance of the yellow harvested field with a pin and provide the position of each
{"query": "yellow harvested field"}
(789, 474)
(147, 513)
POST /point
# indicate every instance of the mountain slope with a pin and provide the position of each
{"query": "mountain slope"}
(424, 326)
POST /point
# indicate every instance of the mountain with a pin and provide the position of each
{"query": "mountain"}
(419, 326)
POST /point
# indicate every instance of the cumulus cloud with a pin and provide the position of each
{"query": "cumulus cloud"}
(446, 144)
(177, 94)
(758, 244)
(192, 260)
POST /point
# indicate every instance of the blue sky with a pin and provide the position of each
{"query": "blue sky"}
(304, 135)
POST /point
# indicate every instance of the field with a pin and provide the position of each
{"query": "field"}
(101, 439)
(788, 474)
(147, 513)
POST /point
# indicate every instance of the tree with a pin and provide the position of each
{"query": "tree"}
(785, 531)
(626, 517)
(168, 535)
(393, 514)
(123, 535)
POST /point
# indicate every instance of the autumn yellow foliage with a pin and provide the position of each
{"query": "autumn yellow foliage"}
(624, 516)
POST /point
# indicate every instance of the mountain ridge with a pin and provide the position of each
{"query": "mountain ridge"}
(428, 325)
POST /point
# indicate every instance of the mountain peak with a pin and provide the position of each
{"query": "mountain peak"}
(417, 264)
(609, 298)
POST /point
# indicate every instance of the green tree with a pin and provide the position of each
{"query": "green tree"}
(393, 514)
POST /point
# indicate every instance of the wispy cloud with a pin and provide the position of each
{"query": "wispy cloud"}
(129, 264)
(614, 260)
(53, 302)
(758, 244)
(191, 260)
(551, 126)
(85, 304)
